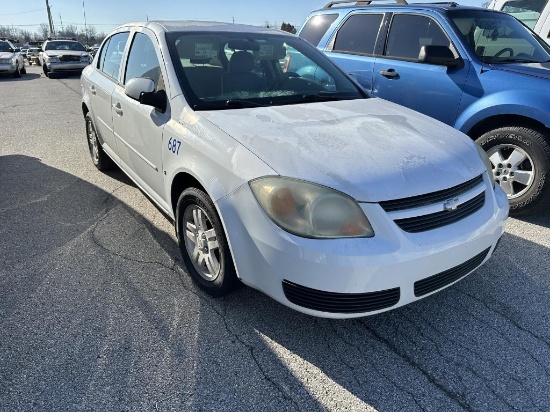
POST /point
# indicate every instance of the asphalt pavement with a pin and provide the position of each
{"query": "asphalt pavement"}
(98, 314)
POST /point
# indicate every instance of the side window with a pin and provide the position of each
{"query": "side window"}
(316, 27)
(102, 53)
(142, 60)
(110, 62)
(408, 33)
(358, 34)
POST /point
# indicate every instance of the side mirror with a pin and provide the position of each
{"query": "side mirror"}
(143, 90)
(439, 55)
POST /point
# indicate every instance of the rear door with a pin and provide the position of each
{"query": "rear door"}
(398, 76)
(102, 83)
(355, 46)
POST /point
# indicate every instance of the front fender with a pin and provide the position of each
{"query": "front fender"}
(531, 105)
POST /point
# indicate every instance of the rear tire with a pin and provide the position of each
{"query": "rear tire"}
(99, 158)
(521, 161)
(203, 244)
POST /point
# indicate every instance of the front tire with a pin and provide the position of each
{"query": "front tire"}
(17, 72)
(521, 160)
(203, 244)
(99, 158)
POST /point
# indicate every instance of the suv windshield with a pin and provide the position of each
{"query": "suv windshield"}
(65, 45)
(499, 38)
(236, 70)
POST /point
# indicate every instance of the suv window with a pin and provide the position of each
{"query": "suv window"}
(358, 34)
(316, 27)
(142, 60)
(408, 33)
(111, 55)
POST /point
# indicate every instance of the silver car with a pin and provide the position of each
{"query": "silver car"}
(63, 56)
(11, 60)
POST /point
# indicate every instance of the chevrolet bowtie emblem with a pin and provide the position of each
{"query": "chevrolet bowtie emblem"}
(451, 204)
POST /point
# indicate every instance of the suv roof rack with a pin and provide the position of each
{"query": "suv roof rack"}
(360, 3)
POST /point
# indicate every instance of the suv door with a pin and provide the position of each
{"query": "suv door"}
(355, 46)
(428, 88)
(139, 127)
(103, 80)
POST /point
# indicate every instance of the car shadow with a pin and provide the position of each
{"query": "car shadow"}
(24, 77)
(98, 313)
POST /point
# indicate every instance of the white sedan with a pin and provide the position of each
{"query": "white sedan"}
(294, 182)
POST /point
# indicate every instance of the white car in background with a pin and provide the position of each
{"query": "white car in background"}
(11, 59)
(63, 56)
(535, 14)
(332, 203)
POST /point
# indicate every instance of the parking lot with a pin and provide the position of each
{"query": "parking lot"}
(97, 312)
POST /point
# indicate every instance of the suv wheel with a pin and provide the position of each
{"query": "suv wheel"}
(521, 159)
(203, 243)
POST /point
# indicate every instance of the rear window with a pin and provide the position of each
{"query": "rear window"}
(316, 27)
(358, 34)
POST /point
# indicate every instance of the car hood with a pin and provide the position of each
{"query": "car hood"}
(371, 149)
(530, 69)
(6, 55)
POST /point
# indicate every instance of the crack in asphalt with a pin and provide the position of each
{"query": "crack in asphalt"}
(70, 88)
(452, 395)
(175, 268)
(380, 372)
(463, 365)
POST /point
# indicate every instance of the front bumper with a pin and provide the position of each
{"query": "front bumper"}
(390, 270)
(7, 68)
(66, 67)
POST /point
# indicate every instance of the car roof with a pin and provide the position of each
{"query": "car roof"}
(398, 4)
(199, 26)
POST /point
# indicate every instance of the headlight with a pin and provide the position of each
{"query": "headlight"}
(85, 59)
(5, 61)
(310, 210)
(483, 155)
(52, 59)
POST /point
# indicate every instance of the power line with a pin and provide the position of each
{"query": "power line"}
(21, 12)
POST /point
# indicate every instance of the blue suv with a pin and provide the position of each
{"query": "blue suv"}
(479, 70)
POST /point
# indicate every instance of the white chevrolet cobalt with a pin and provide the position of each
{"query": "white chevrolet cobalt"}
(279, 171)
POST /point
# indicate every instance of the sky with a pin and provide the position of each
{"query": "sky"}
(106, 15)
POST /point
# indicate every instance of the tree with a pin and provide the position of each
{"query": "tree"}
(288, 27)
(44, 30)
(485, 4)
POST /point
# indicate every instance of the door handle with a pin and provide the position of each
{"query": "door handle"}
(118, 109)
(92, 89)
(390, 73)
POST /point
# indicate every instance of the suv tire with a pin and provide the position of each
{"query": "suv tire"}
(17, 72)
(520, 157)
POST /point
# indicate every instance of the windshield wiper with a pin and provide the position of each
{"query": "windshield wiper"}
(239, 104)
(512, 60)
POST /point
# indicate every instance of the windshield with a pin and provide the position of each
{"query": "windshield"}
(5, 46)
(65, 45)
(236, 70)
(499, 38)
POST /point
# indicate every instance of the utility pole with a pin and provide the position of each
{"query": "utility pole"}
(61, 20)
(85, 26)
(50, 20)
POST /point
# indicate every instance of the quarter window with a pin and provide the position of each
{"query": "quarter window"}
(142, 60)
(408, 33)
(358, 34)
(316, 27)
(110, 62)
